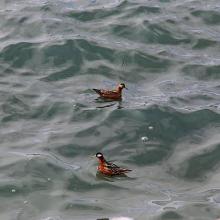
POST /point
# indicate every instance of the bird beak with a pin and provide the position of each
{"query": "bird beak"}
(93, 156)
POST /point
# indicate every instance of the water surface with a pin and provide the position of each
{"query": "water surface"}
(52, 53)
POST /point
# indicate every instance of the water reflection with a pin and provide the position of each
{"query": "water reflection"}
(112, 103)
(101, 176)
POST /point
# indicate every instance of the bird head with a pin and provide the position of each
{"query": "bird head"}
(100, 157)
(122, 86)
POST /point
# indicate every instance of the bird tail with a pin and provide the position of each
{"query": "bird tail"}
(127, 170)
(97, 91)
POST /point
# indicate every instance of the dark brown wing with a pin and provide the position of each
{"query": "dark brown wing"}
(116, 169)
(111, 165)
(108, 92)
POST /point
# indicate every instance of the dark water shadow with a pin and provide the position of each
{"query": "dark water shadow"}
(199, 167)
(102, 100)
(101, 176)
(106, 106)
(111, 102)
(102, 219)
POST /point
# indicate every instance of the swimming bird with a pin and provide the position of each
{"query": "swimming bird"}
(115, 94)
(108, 168)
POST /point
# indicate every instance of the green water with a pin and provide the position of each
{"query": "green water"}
(52, 53)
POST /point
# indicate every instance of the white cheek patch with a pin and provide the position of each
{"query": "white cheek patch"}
(99, 155)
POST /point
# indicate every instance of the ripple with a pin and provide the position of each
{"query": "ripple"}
(75, 206)
(171, 215)
(202, 72)
(198, 166)
(18, 54)
(96, 14)
(150, 33)
(53, 53)
(209, 17)
(204, 43)
(77, 184)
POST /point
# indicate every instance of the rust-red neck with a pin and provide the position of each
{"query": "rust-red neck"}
(101, 160)
(119, 89)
